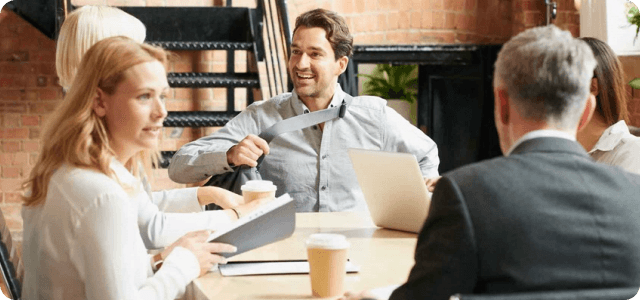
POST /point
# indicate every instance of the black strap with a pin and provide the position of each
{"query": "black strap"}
(304, 121)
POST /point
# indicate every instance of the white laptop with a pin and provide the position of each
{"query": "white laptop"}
(393, 188)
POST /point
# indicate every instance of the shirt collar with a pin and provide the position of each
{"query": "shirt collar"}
(538, 134)
(611, 137)
(300, 108)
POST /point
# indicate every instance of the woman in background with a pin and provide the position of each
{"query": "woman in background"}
(606, 137)
(81, 236)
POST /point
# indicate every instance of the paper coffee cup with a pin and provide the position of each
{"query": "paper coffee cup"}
(257, 189)
(327, 255)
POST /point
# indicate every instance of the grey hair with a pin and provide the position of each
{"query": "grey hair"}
(547, 74)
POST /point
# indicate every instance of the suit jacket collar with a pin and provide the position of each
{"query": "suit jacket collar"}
(550, 145)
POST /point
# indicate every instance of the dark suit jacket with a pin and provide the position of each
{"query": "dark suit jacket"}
(544, 218)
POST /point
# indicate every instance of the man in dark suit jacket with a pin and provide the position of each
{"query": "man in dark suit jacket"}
(545, 216)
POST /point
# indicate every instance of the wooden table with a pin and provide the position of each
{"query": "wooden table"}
(385, 257)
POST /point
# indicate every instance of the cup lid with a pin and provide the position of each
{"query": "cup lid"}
(327, 241)
(258, 186)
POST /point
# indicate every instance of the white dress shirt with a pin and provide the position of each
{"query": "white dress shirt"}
(83, 242)
(311, 165)
(165, 218)
(618, 147)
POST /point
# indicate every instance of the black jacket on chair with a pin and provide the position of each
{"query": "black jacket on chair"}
(545, 218)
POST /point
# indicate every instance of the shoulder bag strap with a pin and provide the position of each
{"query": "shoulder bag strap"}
(305, 120)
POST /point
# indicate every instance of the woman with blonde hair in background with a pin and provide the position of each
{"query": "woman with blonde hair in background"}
(83, 28)
(606, 137)
(81, 236)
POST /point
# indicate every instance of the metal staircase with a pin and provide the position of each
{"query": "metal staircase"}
(263, 31)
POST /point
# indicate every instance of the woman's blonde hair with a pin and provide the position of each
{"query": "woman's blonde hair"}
(75, 135)
(86, 26)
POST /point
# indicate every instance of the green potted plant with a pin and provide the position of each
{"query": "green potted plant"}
(633, 16)
(397, 84)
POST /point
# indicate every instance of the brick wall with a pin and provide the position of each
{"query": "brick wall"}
(439, 21)
(631, 65)
(29, 90)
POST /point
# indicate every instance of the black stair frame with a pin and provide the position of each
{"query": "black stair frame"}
(244, 34)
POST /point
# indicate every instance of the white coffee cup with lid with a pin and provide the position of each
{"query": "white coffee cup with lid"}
(257, 189)
(327, 253)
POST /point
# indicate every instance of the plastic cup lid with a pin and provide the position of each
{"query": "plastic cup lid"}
(258, 186)
(327, 241)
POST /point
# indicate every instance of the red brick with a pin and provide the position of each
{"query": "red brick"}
(43, 55)
(427, 19)
(34, 133)
(382, 22)
(10, 185)
(405, 20)
(450, 21)
(438, 19)
(362, 25)
(28, 120)
(6, 159)
(44, 107)
(179, 105)
(416, 19)
(14, 133)
(20, 159)
(10, 146)
(30, 146)
(12, 198)
(437, 4)
(533, 18)
(155, 3)
(33, 158)
(360, 6)
(183, 93)
(11, 68)
(11, 172)
(454, 5)
(50, 94)
(396, 36)
(47, 69)
(470, 5)
(393, 20)
(11, 120)
(14, 94)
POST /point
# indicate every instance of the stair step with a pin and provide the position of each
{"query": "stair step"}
(182, 45)
(198, 118)
(201, 80)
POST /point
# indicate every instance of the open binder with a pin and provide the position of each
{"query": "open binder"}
(270, 223)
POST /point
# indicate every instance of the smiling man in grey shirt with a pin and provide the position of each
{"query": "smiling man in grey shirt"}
(312, 164)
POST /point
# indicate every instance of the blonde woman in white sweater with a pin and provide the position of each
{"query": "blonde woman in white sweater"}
(81, 235)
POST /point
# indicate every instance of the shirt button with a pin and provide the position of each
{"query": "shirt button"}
(325, 156)
(324, 187)
(306, 111)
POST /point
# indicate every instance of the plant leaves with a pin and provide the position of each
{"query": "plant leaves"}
(392, 82)
(635, 83)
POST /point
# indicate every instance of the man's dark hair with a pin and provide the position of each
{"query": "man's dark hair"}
(334, 25)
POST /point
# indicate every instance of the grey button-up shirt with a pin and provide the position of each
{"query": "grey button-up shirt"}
(312, 165)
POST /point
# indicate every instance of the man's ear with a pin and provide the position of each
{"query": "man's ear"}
(503, 102)
(99, 103)
(588, 112)
(343, 61)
